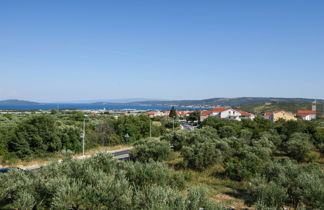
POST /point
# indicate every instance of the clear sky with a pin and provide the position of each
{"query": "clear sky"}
(65, 50)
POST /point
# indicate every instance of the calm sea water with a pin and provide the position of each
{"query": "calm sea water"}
(83, 107)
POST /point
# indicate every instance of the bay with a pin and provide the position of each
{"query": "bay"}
(85, 107)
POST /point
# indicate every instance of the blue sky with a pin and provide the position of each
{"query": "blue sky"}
(76, 50)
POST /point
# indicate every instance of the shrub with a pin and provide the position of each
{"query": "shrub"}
(245, 167)
(226, 131)
(201, 155)
(298, 146)
(99, 182)
(151, 149)
(297, 184)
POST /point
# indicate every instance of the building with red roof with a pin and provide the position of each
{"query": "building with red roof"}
(246, 115)
(226, 113)
(307, 114)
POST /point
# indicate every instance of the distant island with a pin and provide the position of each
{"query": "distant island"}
(240, 101)
(18, 102)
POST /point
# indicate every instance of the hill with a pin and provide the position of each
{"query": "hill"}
(17, 102)
(287, 106)
(241, 101)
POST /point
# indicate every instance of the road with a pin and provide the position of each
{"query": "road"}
(121, 154)
(186, 126)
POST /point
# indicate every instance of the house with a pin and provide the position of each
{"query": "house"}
(181, 114)
(276, 115)
(226, 113)
(205, 114)
(155, 114)
(166, 113)
(246, 115)
(267, 115)
(307, 114)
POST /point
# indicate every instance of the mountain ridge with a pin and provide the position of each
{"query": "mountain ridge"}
(238, 101)
(17, 102)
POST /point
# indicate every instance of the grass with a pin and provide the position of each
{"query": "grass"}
(224, 191)
(221, 190)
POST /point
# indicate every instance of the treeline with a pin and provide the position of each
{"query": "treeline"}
(276, 162)
(100, 182)
(28, 136)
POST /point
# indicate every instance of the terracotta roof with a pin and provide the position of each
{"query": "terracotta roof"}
(243, 113)
(180, 113)
(220, 109)
(306, 112)
(303, 115)
(206, 112)
(267, 115)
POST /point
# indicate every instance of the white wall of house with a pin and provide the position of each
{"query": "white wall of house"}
(250, 117)
(310, 117)
(230, 114)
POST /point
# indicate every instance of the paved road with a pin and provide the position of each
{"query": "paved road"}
(121, 154)
(186, 126)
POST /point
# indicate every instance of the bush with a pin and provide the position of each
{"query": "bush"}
(201, 155)
(268, 193)
(226, 131)
(180, 139)
(151, 149)
(99, 182)
(298, 146)
(245, 167)
(287, 183)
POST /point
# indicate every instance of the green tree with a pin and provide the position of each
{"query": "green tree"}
(151, 149)
(298, 146)
(173, 113)
(201, 155)
(194, 116)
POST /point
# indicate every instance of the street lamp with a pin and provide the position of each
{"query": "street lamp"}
(150, 128)
(83, 134)
(173, 124)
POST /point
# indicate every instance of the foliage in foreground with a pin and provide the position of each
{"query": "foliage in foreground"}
(150, 149)
(285, 182)
(100, 183)
(40, 135)
(250, 152)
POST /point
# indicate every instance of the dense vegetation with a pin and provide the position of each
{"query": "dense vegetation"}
(100, 183)
(275, 164)
(38, 135)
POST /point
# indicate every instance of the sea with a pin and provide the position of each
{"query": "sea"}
(88, 107)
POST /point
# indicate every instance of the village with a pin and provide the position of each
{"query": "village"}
(236, 114)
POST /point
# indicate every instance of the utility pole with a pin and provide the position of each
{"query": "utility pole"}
(173, 124)
(150, 128)
(83, 136)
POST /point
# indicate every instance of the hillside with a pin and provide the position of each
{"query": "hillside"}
(271, 106)
(17, 102)
(241, 101)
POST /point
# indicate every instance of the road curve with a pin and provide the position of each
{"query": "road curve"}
(121, 154)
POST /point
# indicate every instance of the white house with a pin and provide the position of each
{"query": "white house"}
(307, 114)
(226, 113)
(246, 115)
